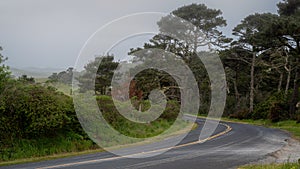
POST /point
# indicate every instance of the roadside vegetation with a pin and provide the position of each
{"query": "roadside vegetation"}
(273, 166)
(39, 121)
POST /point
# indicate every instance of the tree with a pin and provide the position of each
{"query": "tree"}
(63, 77)
(278, 61)
(287, 29)
(236, 64)
(288, 7)
(4, 71)
(205, 31)
(26, 79)
(251, 39)
(102, 70)
(198, 26)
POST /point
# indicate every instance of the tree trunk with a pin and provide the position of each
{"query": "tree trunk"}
(288, 68)
(195, 47)
(288, 80)
(280, 82)
(295, 95)
(237, 94)
(251, 104)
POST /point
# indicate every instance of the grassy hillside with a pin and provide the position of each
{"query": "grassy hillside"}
(33, 72)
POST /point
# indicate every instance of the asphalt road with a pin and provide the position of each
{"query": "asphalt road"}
(233, 145)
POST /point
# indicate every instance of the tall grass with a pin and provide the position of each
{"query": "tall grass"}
(38, 147)
(273, 166)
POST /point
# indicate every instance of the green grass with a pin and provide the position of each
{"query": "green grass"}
(41, 149)
(35, 149)
(41, 80)
(273, 166)
(49, 157)
(64, 88)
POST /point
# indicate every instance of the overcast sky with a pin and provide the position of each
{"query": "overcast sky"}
(50, 33)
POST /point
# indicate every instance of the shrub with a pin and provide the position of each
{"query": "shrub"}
(171, 111)
(132, 129)
(275, 112)
(31, 110)
(298, 118)
(241, 114)
(230, 106)
(261, 110)
(269, 108)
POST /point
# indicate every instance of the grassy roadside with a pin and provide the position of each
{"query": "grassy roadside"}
(49, 157)
(273, 166)
(72, 141)
(60, 150)
(289, 125)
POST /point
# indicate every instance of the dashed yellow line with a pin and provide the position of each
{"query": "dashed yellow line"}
(228, 129)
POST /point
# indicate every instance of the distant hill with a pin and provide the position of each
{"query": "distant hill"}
(34, 72)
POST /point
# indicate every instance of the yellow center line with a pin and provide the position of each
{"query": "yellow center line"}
(228, 129)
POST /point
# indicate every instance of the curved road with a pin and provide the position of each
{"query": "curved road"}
(232, 145)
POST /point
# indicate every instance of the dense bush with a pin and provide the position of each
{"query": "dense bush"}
(274, 107)
(38, 121)
(30, 111)
(171, 111)
(237, 108)
(240, 114)
(298, 118)
(277, 112)
(298, 114)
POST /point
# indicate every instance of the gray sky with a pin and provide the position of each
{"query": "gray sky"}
(50, 34)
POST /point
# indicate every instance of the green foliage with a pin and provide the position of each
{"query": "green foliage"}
(171, 111)
(64, 77)
(205, 20)
(271, 43)
(4, 71)
(288, 7)
(150, 79)
(45, 146)
(39, 121)
(25, 79)
(241, 114)
(274, 108)
(144, 105)
(31, 110)
(61, 87)
(273, 166)
(251, 31)
(277, 112)
(298, 117)
(139, 130)
(102, 70)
